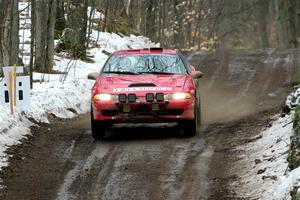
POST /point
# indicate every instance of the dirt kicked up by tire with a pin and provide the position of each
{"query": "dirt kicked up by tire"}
(239, 93)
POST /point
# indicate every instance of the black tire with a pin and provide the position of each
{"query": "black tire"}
(98, 128)
(191, 127)
(198, 112)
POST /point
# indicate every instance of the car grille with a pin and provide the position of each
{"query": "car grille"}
(109, 113)
(144, 110)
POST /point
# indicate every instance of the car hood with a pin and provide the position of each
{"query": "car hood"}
(111, 83)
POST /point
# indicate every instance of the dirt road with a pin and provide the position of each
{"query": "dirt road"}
(240, 92)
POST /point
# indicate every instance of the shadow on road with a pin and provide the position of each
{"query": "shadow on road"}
(144, 132)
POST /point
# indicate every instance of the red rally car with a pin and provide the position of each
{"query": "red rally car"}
(146, 85)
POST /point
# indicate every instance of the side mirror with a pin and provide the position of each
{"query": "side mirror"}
(192, 68)
(197, 74)
(93, 76)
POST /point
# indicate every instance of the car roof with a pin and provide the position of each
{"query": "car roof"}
(146, 51)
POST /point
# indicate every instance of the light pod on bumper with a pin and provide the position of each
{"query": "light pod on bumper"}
(155, 107)
(150, 97)
(132, 98)
(126, 108)
(160, 97)
(122, 98)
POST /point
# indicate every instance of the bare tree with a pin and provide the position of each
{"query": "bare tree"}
(76, 28)
(263, 12)
(52, 5)
(9, 32)
(40, 19)
(44, 24)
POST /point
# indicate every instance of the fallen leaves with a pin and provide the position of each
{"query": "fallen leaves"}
(261, 171)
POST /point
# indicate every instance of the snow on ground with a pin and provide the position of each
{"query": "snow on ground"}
(13, 128)
(293, 99)
(264, 167)
(63, 95)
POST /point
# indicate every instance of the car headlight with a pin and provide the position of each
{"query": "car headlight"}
(103, 97)
(180, 96)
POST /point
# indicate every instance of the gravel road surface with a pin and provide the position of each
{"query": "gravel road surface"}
(240, 92)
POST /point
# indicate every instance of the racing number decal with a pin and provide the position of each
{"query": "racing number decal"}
(142, 89)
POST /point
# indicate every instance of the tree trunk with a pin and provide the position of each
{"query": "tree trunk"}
(82, 35)
(41, 33)
(138, 17)
(50, 33)
(298, 18)
(150, 18)
(60, 23)
(90, 20)
(9, 32)
(263, 24)
(43, 23)
(281, 25)
(176, 21)
(291, 19)
(75, 34)
(32, 42)
(106, 20)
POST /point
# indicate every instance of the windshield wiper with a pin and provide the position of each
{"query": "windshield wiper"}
(121, 72)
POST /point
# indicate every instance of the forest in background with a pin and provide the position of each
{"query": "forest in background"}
(187, 25)
(214, 24)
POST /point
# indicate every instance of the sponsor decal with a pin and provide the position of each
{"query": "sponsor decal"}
(138, 89)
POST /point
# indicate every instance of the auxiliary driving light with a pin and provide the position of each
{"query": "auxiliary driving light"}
(131, 98)
(150, 97)
(126, 108)
(103, 97)
(160, 97)
(122, 98)
(155, 107)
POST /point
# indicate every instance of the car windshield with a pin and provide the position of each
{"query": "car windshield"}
(145, 64)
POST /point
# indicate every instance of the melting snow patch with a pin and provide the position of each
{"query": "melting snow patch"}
(13, 128)
(264, 167)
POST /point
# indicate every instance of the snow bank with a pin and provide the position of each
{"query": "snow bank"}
(13, 128)
(293, 99)
(265, 162)
(264, 167)
(62, 100)
(282, 129)
(287, 183)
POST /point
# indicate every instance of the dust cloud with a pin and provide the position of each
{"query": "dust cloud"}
(237, 84)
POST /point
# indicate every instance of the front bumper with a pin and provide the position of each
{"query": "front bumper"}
(152, 112)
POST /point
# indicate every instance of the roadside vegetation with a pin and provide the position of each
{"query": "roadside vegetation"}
(294, 154)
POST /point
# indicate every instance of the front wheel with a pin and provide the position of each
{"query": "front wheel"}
(98, 128)
(191, 127)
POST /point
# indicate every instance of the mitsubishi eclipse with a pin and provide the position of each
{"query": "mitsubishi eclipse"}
(146, 85)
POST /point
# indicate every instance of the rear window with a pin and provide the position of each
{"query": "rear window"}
(150, 63)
